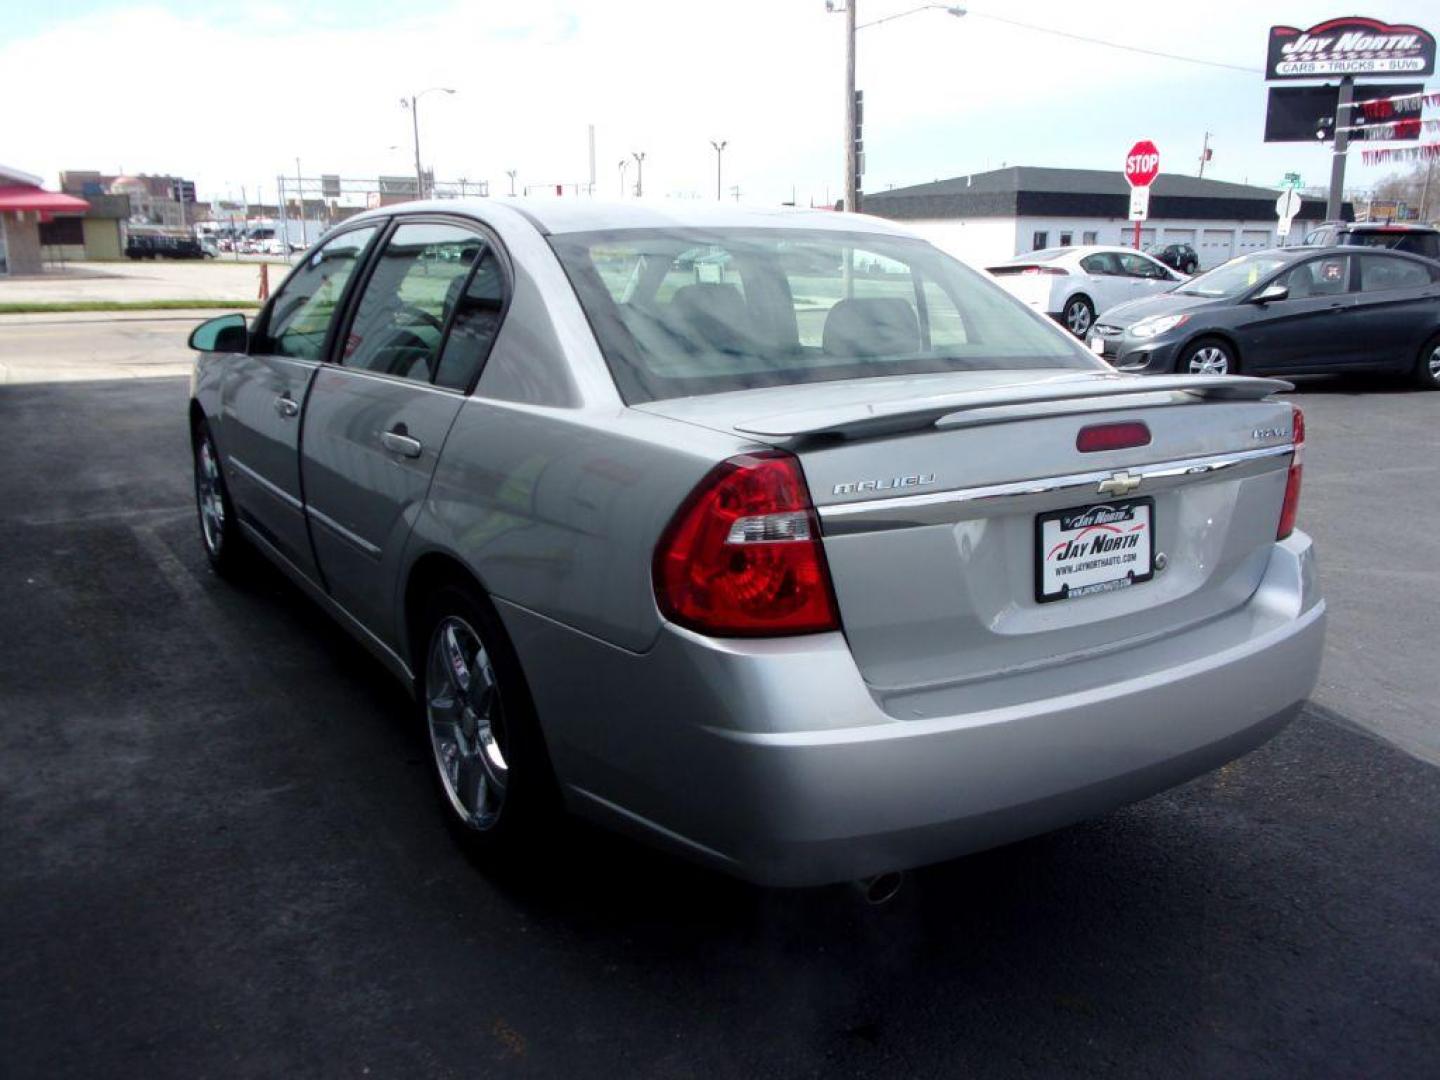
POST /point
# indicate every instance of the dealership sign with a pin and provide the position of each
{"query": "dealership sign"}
(1349, 46)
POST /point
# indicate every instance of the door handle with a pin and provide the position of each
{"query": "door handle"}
(286, 406)
(399, 443)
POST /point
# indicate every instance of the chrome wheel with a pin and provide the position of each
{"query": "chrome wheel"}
(1433, 364)
(209, 495)
(462, 706)
(1078, 317)
(1209, 360)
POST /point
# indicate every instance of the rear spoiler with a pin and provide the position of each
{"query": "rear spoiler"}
(950, 410)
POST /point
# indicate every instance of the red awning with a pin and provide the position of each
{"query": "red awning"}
(25, 197)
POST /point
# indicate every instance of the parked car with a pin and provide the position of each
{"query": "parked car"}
(807, 575)
(1071, 284)
(1179, 257)
(1411, 239)
(163, 246)
(1289, 311)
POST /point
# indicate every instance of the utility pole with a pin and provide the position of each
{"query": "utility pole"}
(1342, 147)
(415, 128)
(852, 163)
(623, 164)
(639, 173)
(511, 174)
(1204, 155)
(1425, 190)
(719, 154)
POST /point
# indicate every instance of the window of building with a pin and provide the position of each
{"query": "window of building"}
(1090, 236)
(1066, 239)
(1040, 240)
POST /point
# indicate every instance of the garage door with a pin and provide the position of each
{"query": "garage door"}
(1180, 236)
(1254, 240)
(1127, 236)
(1215, 247)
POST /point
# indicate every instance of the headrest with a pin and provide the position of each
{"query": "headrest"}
(871, 326)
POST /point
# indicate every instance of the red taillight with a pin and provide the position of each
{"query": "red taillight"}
(1291, 506)
(1055, 270)
(742, 556)
(1119, 436)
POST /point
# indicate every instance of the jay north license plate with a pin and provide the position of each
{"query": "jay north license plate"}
(1093, 549)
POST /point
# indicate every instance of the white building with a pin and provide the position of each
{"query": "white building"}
(987, 217)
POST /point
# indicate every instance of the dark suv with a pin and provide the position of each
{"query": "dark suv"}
(1414, 239)
(1180, 257)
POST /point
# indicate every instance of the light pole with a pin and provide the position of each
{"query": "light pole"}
(624, 164)
(411, 103)
(852, 150)
(639, 173)
(511, 174)
(719, 154)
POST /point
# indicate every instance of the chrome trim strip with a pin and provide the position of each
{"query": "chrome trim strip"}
(345, 534)
(279, 492)
(939, 507)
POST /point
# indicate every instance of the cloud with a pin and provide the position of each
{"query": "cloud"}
(233, 95)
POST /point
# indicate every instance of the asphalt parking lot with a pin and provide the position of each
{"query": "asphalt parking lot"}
(221, 856)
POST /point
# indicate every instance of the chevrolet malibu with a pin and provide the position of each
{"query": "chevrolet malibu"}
(776, 538)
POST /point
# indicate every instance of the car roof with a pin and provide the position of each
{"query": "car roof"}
(1381, 226)
(571, 215)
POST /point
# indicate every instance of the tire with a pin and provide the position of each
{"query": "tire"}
(1208, 356)
(220, 535)
(1078, 316)
(490, 767)
(1427, 365)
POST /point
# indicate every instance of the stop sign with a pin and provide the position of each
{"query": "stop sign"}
(1142, 164)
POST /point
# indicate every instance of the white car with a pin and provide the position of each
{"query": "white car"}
(1073, 284)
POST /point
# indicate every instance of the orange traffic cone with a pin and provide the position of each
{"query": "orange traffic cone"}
(264, 281)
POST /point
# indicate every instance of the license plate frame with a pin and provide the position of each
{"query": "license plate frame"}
(1110, 520)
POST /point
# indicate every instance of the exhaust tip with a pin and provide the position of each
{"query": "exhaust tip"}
(882, 888)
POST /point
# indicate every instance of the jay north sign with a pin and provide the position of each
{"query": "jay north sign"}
(1349, 46)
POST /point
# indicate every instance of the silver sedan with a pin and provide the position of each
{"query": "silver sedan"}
(777, 538)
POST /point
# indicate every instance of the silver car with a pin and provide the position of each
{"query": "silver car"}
(777, 538)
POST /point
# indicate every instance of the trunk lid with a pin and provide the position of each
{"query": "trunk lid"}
(931, 491)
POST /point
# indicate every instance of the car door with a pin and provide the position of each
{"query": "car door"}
(379, 413)
(1144, 275)
(264, 392)
(1105, 281)
(1308, 330)
(1396, 309)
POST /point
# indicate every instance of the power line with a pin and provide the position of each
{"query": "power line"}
(1114, 44)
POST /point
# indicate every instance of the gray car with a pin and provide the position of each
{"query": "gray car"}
(1289, 311)
(777, 538)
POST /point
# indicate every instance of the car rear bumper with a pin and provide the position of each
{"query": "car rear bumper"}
(772, 760)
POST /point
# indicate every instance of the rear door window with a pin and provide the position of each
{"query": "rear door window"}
(1102, 262)
(1318, 277)
(1380, 273)
(417, 281)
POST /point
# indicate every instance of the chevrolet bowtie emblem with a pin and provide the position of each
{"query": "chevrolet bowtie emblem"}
(1122, 483)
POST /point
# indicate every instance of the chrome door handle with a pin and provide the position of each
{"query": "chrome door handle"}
(286, 406)
(400, 444)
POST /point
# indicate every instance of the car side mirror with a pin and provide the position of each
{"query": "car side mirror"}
(1270, 294)
(225, 333)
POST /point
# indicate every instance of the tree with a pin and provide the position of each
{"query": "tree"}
(1418, 187)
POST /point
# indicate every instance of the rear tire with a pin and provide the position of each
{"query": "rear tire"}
(1078, 316)
(1427, 365)
(490, 766)
(220, 535)
(1208, 356)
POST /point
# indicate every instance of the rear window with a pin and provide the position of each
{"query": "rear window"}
(1410, 242)
(696, 311)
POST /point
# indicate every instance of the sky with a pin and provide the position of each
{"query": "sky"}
(230, 94)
